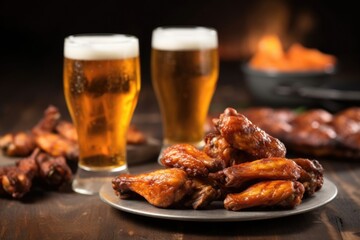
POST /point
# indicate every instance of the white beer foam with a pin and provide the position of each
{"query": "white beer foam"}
(102, 47)
(184, 38)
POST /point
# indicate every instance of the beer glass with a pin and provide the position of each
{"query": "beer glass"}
(184, 69)
(101, 86)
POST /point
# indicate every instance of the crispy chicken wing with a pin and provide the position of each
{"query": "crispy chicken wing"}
(311, 175)
(166, 188)
(347, 126)
(17, 180)
(53, 170)
(217, 147)
(19, 144)
(202, 193)
(276, 193)
(273, 121)
(242, 134)
(161, 188)
(49, 121)
(67, 130)
(56, 145)
(193, 161)
(263, 169)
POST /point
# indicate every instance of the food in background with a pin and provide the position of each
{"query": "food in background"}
(271, 56)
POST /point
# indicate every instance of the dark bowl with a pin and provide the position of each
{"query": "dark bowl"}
(282, 88)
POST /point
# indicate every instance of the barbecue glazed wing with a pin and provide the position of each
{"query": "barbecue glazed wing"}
(347, 126)
(311, 175)
(167, 188)
(67, 130)
(56, 145)
(19, 144)
(53, 170)
(217, 147)
(193, 161)
(262, 169)
(273, 121)
(17, 180)
(49, 121)
(202, 193)
(161, 188)
(276, 193)
(240, 133)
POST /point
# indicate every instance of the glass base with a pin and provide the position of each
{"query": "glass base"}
(89, 182)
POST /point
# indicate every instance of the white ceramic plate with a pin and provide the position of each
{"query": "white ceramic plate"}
(215, 212)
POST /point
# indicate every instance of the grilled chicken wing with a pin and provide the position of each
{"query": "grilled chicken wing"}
(273, 121)
(217, 147)
(18, 144)
(347, 126)
(193, 161)
(166, 188)
(311, 175)
(49, 121)
(262, 169)
(53, 170)
(276, 193)
(17, 180)
(67, 130)
(161, 188)
(56, 145)
(242, 134)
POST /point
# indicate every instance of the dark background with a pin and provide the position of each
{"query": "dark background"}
(32, 34)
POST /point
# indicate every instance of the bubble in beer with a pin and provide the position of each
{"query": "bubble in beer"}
(97, 125)
(78, 80)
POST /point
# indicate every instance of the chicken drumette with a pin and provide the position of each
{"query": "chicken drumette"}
(193, 161)
(276, 193)
(263, 169)
(242, 134)
(166, 188)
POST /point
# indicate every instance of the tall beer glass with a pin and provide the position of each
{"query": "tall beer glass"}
(184, 67)
(101, 85)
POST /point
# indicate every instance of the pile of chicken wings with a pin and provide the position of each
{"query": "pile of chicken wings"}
(240, 164)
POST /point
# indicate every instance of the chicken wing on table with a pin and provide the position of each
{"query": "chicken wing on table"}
(275, 193)
(17, 144)
(166, 188)
(242, 134)
(17, 180)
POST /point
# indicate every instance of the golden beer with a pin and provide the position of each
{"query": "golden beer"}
(184, 75)
(101, 86)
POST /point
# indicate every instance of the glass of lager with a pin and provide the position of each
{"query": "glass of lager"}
(184, 69)
(101, 86)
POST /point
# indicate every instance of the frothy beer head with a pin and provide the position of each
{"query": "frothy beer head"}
(101, 47)
(191, 38)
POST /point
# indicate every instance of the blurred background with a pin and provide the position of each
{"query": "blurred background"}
(32, 35)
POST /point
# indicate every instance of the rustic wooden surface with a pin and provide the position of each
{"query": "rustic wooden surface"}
(67, 215)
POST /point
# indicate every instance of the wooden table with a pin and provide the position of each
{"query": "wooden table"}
(67, 215)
